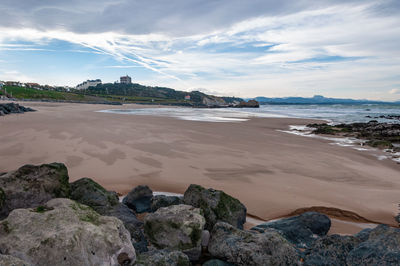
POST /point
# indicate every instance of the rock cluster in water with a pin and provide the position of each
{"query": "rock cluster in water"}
(13, 108)
(380, 135)
(45, 220)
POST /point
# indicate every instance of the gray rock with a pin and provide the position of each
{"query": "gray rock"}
(381, 248)
(178, 227)
(216, 262)
(163, 257)
(88, 192)
(64, 232)
(330, 250)
(216, 205)
(164, 201)
(301, 230)
(139, 199)
(250, 247)
(7, 260)
(205, 238)
(31, 186)
(363, 235)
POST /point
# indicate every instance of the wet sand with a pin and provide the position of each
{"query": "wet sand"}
(273, 173)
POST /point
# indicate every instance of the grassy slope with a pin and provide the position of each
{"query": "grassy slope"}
(29, 93)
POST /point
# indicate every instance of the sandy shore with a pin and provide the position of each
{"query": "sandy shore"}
(273, 173)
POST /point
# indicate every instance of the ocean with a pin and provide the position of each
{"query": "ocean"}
(337, 113)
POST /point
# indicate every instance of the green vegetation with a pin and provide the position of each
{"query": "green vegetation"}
(86, 214)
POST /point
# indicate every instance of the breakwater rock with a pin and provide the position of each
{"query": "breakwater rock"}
(48, 221)
(13, 108)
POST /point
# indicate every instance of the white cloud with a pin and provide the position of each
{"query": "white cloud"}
(394, 91)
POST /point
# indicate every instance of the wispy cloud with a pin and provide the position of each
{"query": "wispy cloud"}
(337, 48)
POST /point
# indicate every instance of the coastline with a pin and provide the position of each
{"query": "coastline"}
(273, 173)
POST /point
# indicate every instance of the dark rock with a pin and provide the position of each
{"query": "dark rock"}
(90, 193)
(164, 201)
(363, 235)
(31, 186)
(381, 248)
(163, 257)
(249, 247)
(216, 205)
(248, 104)
(330, 250)
(216, 262)
(301, 230)
(13, 108)
(139, 199)
(178, 227)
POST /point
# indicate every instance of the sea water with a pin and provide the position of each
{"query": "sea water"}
(337, 113)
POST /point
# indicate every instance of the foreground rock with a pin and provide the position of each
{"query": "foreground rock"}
(7, 260)
(251, 248)
(216, 205)
(88, 192)
(30, 186)
(163, 257)
(331, 250)
(164, 201)
(139, 199)
(301, 230)
(178, 227)
(13, 108)
(382, 247)
(64, 232)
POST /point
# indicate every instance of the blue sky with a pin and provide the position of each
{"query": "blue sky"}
(225, 47)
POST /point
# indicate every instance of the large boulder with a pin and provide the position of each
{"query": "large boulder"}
(88, 192)
(159, 201)
(64, 232)
(301, 230)
(178, 227)
(139, 199)
(330, 250)
(382, 247)
(163, 257)
(216, 205)
(242, 247)
(7, 260)
(30, 186)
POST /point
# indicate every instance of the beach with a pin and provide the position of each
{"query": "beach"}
(272, 172)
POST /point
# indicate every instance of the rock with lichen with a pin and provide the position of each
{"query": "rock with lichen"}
(242, 247)
(217, 206)
(31, 185)
(64, 232)
(163, 257)
(159, 201)
(177, 227)
(88, 192)
(7, 260)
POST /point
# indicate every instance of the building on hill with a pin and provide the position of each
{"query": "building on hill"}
(125, 80)
(32, 85)
(13, 83)
(187, 97)
(89, 83)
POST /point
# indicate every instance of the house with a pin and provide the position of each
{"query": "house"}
(88, 83)
(125, 79)
(32, 85)
(187, 97)
(13, 83)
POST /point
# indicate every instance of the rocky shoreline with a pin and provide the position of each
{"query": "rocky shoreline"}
(13, 108)
(45, 220)
(379, 135)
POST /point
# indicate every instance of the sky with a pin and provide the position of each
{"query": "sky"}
(335, 48)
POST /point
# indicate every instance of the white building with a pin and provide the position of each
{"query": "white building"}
(125, 80)
(89, 83)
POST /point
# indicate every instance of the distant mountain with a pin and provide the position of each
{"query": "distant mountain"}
(317, 99)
